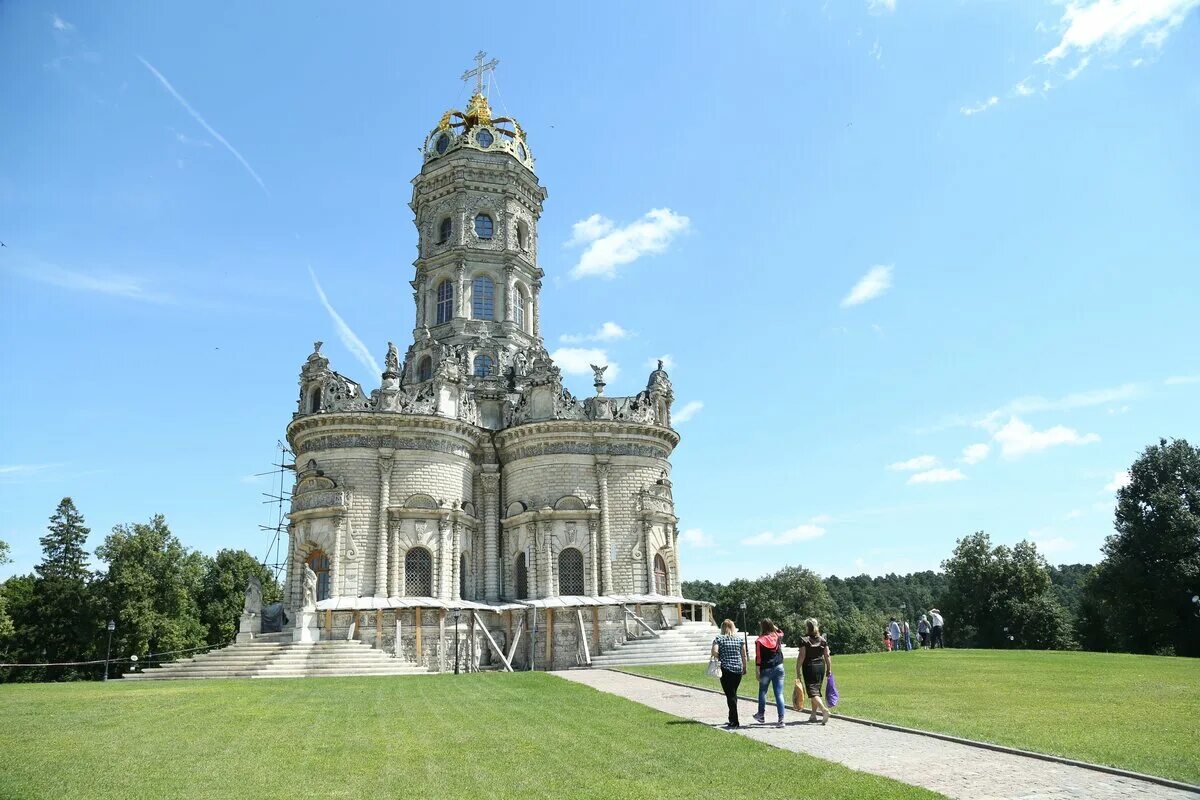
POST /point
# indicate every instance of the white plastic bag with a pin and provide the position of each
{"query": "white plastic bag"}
(714, 668)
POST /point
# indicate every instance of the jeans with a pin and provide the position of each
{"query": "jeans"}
(730, 682)
(772, 676)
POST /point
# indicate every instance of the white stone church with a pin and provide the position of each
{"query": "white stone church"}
(471, 485)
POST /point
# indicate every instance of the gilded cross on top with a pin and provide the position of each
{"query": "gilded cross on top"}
(480, 68)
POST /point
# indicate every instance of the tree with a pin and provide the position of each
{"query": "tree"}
(787, 597)
(151, 588)
(6, 626)
(222, 592)
(1139, 598)
(855, 631)
(63, 622)
(997, 592)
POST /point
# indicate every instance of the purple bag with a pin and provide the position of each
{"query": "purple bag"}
(831, 692)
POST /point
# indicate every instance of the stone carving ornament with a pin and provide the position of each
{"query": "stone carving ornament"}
(310, 589)
(253, 602)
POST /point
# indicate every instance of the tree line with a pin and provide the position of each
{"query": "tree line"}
(1143, 597)
(161, 597)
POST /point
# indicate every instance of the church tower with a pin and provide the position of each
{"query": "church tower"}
(476, 203)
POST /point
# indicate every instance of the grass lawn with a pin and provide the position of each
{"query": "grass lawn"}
(477, 736)
(1135, 712)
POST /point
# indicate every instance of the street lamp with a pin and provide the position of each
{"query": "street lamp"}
(112, 626)
(745, 633)
(457, 617)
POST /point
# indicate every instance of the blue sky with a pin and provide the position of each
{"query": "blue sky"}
(919, 268)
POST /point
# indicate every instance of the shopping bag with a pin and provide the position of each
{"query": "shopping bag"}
(831, 692)
(714, 668)
(798, 695)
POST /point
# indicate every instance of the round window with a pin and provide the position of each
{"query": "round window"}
(484, 138)
(521, 150)
(443, 142)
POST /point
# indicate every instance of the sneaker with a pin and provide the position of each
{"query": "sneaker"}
(760, 718)
(779, 724)
(825, 715)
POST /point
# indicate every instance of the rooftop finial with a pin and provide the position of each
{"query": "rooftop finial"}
(480, 68)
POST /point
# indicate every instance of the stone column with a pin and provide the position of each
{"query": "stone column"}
(532, 573)
(547, 526)
(460, 304)
(490, 485)
(673, 538)
(335, 567)
(456, 560)
(381, 550)
(289, 589)
(594, 545)
(647, 526)
(537, 301)
(509, 292)
(444, 576)
(394, 558)
(606, 582)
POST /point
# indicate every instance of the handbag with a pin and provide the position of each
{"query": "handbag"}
(798, 695)
(714, 668)
(831, 692)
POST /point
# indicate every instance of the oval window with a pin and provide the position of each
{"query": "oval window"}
(443, 142)
(484, 138)
(521, 151)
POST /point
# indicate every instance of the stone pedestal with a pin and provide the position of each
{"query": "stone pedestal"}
(249, 626)
(307, 629)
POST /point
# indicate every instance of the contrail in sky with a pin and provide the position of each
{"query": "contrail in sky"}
(196, 116)
(348, 337)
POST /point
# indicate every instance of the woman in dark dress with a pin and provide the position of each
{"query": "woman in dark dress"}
(812, 665)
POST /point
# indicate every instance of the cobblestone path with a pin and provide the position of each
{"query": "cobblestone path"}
(955, 770)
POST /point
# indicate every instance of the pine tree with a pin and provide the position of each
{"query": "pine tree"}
(63, 623)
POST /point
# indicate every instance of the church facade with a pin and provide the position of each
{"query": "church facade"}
(471, 480)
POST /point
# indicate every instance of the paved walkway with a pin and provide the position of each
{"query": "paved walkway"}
(955, 770)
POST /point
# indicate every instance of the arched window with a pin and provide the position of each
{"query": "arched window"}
(519, 307)
(444, 229)
(522, 578)
(570, 571)
(661, 585)
(418, 572)
(445, 301)
(318, 562)
(462, 576)
(483, 298)
(483, 366)
(484, 226)
(522, 235)
(314, 401)
(425, 369)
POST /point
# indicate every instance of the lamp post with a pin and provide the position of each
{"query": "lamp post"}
(745, 633)
(457, 617)
(108, 653)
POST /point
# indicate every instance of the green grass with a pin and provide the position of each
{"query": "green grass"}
(483, 735)
(1136, 712)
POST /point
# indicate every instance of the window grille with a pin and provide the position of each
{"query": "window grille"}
(522, 574)
(462, 576)
(418, 573)
(483, 299)
(445, 302)
(570, 571)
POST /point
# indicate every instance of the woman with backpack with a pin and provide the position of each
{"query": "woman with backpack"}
(812, 665)
(730, 650)
(768, 655)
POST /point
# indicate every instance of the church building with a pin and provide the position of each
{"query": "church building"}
(471, 490)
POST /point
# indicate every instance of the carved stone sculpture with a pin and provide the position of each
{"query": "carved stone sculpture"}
(253, 603)
(310, 589)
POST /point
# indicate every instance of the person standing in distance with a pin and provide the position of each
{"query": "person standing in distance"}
(894, 634)
(730, 650)
(935, 629)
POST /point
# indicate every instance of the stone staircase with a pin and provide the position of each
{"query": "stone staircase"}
(276, 656)
(687, 643)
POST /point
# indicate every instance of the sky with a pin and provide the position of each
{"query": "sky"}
(916, 269)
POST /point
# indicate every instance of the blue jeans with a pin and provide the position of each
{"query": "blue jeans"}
(773, 677)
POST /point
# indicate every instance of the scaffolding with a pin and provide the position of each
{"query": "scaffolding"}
(280, 497)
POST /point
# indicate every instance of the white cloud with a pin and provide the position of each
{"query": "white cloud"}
(609, 247)
(877, 281)
(1023, 89)
(914, 463)
(1078, 68)
(590, 229)
(98, 281)
(983, 105)
(878, 7)
(800, 533)
(1109, 24)
(974, 453)
(60, 24)
(1074, 513)
(578, 361)
(1048, 544)
(668, 363)
(821, 519)
(1035, 403)
(940, 475)
(689, 410)
(196, 116)
(21, 470)
(348, 337)
(1018, 438)
(1120, 481)
(694, 537)
(877, 51)
(607, 332)
(1180, 380)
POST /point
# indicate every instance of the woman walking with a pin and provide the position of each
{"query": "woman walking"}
(730, 650)
(923, 631)
(812, 665)
(768, 656)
